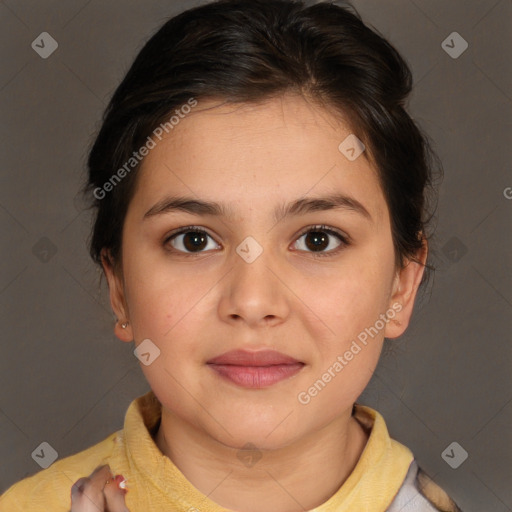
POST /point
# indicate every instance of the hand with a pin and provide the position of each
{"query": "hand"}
(99, 492)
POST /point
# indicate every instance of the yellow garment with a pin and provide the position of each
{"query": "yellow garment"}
(156, 484)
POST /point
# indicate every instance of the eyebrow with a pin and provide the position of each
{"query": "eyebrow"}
(300, 206)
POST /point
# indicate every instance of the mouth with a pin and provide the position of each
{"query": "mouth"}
(255, 369)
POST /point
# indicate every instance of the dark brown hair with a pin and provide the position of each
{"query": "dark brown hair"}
(252, 50)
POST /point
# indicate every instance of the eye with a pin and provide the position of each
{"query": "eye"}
(194, 240)
(190, 239)
(317, 240)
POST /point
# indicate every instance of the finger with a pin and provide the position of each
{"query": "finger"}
(87, 492)
(100, 476)
(115, 496)
(85, 498)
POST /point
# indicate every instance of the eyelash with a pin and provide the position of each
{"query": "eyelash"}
(344, 239)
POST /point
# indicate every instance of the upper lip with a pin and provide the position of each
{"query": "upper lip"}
(248, 358)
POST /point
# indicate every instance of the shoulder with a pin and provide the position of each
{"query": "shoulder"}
(419, 493)
(50, 489)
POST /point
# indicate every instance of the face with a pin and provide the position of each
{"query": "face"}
(317, 285)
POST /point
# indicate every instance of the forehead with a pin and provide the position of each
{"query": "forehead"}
(282, 148)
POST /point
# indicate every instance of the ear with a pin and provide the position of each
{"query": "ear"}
(405, 286)
(117, 297)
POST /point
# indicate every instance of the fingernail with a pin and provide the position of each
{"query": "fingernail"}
(121, 482)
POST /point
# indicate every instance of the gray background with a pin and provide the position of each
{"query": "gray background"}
(66, 380)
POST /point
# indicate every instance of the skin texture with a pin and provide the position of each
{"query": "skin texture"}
(195, 306)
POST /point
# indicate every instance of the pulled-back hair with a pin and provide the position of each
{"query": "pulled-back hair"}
(250, 51)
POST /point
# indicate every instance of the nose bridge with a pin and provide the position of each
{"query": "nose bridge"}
(254, 292)
(250, 266)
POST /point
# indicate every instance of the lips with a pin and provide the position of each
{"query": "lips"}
(246, 358)
(255, 369)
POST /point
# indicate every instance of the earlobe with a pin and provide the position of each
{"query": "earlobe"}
(123, 333)
(117, 298)
(405, 287)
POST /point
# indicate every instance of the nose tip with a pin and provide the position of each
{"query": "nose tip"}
(253, 291)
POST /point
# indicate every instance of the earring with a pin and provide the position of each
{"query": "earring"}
(125, 325)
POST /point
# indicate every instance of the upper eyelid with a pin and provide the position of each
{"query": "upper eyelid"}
(186, 229)
(324, 227)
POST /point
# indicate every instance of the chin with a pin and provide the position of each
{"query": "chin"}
(249, 441)
(265, 435)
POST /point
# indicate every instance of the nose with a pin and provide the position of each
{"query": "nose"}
(254, 292)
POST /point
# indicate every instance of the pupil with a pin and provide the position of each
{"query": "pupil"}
(197, 240)
(318, 238)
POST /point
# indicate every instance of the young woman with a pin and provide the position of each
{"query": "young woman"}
(261, 216)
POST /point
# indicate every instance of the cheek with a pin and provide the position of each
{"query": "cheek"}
(352, 297)
(165, 305)
(346, 357)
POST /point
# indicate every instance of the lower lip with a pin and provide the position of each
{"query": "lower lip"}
(256, 376)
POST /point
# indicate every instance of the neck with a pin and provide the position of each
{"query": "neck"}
(297, 477)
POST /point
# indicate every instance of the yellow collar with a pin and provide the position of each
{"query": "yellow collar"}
(372, 485)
